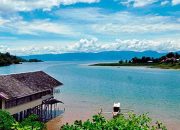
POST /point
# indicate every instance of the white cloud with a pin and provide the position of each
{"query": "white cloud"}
(93, 45)
(175, 2)
(142, 45)
(143, 3)
(42, 26)
(137, 3)
(68, 2)
(17, 25)
(166, 2)
(3, 48)
(99, 21)
(84, 45)
(137, 28)
(124, 22)
(29, 5)
(91, 14)
(3, 21)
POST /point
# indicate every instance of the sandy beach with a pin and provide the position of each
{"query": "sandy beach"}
(56, 123)
(71, 116)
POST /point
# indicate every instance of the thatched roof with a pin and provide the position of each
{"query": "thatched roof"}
(25, 84)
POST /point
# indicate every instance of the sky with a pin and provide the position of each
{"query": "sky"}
(59, 26)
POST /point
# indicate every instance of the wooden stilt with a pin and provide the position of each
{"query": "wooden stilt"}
(20, 116)
(51, 112)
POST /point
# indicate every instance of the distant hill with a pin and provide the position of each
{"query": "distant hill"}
(107, 55)
(8, 59)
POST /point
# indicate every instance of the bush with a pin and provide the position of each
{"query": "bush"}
(6, 120)
(131, 122)
(30, 123)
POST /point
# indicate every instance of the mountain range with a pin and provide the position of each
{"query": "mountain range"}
(106, 55)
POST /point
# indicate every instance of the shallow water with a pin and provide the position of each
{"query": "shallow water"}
(86, 89)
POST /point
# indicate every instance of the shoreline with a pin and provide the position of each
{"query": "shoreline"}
(56, 123)
(155, 66)
(81, 111)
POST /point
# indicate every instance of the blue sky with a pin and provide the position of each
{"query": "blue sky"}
(60, 26)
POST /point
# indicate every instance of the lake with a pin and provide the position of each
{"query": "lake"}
(86, 89)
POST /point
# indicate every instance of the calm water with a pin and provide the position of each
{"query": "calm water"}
(87, 89)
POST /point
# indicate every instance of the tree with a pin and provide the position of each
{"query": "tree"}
(7, 54)
(135, 60)
(121, 122)
(177, 55)
(170, 55)
(8, 59)
(30, 123)
(6, 120)
(120, 62)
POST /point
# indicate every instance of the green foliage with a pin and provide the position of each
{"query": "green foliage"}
(17, 126)
(168, 58)
(169, 61)
(30, 123)
(131, 122)
(6, 120)
(7, 59)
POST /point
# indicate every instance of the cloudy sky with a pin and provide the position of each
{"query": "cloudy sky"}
(60, 26)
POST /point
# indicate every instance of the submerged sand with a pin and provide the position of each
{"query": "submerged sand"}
(71, 116)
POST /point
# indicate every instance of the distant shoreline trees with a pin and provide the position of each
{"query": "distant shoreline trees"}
(168, 58)
(7, 59)
(169, 61)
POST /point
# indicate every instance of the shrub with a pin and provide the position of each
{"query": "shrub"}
(6, 120)
(130, 122)
(30, 123)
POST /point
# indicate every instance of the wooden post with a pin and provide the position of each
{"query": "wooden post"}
(21, 115)
(3, 104)
(54, 110)
(51, 112)
(25, 113)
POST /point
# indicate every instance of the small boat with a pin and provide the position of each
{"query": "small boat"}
(116, 109)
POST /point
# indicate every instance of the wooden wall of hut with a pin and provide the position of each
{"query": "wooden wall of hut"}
(19, 101)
